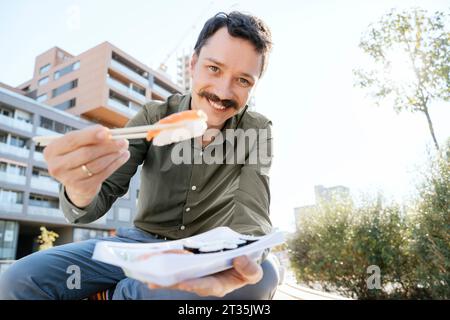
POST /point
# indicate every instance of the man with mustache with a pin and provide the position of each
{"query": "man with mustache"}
(175, 201)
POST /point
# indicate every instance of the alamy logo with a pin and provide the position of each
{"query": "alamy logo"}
(374, 280)
(74, 280)
(251, 147)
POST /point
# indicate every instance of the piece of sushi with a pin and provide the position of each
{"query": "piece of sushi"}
(193, 246)
(192, 125)
(227, 245)
(244, 242)
(211, 248)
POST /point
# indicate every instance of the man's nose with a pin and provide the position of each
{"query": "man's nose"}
(224, 89)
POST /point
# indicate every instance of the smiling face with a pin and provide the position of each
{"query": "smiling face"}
(224, 75)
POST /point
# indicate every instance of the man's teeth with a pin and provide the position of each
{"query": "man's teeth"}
(216, 106)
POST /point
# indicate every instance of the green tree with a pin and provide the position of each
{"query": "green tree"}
(431, 230)
(409, 53)
(337, 243)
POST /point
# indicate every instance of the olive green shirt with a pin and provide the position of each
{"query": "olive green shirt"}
(181, 200)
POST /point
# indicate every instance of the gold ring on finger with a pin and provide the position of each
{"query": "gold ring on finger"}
(85, 169)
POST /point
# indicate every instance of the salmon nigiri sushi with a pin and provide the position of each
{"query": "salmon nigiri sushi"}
(192, 124)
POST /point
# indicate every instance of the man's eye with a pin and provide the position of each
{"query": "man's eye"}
(244, 82)
(213, 68)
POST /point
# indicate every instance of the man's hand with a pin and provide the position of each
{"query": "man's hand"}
(244, 272)
(91, 147)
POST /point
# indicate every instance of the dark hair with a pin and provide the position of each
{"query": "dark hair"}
(239, 25)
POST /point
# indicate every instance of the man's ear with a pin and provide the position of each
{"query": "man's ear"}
(194, 60)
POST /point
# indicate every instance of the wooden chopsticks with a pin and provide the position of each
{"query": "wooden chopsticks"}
(138, 132)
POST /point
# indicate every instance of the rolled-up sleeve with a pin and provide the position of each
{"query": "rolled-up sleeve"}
(113, 187)
(252, 198)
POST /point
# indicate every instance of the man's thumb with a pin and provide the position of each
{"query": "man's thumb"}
(249, 269)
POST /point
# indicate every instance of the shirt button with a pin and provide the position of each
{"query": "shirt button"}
(182, 227)
(194, 188)
(201, 153)
(188, 209)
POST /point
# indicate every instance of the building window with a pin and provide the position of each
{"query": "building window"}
(130, 65)
(162, 88)
(18, 141)
(15, 113)
(66, 104)
(15, 169)
(44, 202)
(10, 196)
(45, 68)
(9, 231)
(46, 123)
(74, 66)
(138, 89)
(3, 137)
(61, 128)
(124, 214)
(119, 98)
(53, 125)
(6, 111)
(40, 173)
(42, 98)
(65, 87)
(65, 129)
(22, 116)
(43, 81)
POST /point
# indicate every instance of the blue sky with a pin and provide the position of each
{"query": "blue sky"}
(325, 130)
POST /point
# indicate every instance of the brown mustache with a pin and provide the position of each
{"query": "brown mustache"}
(227, 103)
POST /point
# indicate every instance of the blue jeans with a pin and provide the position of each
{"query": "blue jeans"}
(48, 274)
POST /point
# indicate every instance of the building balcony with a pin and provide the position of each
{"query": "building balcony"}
(124, 89)
(43, 211)
(122, 107)
(141, 98)
(10, 208)
(12, 178)
(127, 71)
(117, 85)
(13, 150)
(45, 132)
(46, 184)
(15, 123)
(161, 91)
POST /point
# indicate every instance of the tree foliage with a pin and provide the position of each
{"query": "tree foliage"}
(410, 55)
(338, 241)
(431, 230)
